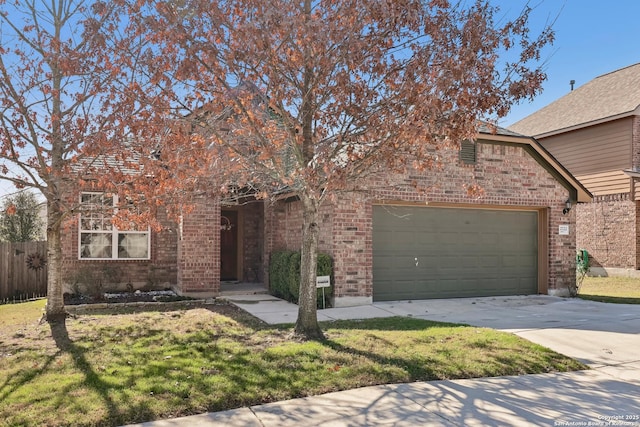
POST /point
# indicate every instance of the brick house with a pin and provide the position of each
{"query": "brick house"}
(517, 236)
(594, 131)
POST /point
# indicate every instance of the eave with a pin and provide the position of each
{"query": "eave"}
(599, 121)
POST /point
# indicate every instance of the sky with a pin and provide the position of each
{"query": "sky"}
(592, 37)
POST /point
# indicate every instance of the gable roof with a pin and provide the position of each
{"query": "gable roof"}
(496, 134)
(608, 97)
(489, 129)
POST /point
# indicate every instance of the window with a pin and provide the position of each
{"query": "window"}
(100, 239)
(468, 152)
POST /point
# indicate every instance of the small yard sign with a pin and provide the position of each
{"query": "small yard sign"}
(323, 281)
(563, 229)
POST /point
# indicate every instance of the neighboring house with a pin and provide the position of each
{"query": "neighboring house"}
(515, 236)
(594, 131)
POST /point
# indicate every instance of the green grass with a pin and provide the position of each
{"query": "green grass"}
(132, 365)
(620, 290)
(18, 314)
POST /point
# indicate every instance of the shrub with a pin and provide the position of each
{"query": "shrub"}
(278, 266)
(293, 276)
(284, 276)
(583, 266)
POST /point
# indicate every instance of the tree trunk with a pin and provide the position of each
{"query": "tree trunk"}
(55, 300)
(307, 323)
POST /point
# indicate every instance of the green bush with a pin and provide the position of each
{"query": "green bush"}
(293, 276)
(284, 276)
(278, 266)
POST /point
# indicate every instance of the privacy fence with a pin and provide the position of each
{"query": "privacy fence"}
(23, 271)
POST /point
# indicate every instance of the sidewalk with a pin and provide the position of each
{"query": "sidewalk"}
(541, 400)
(605, 336)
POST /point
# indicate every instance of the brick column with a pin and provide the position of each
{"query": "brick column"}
(353, 251)
(199, 250)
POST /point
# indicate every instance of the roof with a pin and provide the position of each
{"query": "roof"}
(486, 128)
(607, 97)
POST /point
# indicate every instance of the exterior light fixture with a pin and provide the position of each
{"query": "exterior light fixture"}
(567, 207)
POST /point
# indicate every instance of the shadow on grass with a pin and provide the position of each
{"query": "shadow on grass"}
(608, 299)
(15, 382)
(416, 371)
(211, 370)
(92, 379)
(398, 323)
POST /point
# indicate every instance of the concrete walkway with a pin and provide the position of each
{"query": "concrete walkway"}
(604, 336)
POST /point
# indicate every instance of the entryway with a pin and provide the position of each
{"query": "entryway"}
(242, 288)
(242, 243)
(229, 245)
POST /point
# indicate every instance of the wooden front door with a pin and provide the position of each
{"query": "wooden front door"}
(229, 245)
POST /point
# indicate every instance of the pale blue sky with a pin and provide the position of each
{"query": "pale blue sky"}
(593, 37)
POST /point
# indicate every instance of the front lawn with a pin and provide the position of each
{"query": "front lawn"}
(621, 290)
(127, 365)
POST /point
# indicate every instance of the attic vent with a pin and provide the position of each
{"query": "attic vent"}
(468, 152)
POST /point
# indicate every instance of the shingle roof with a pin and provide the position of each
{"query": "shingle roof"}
(486, 128)
(608, 96)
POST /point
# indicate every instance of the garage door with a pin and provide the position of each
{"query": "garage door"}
(428, 252)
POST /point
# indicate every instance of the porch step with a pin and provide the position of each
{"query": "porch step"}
(240, 288)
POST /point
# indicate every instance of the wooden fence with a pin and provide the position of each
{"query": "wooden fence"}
(23, 271)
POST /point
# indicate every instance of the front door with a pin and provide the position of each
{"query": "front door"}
(229, 245)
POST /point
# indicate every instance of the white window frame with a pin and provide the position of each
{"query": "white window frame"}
(110, 231)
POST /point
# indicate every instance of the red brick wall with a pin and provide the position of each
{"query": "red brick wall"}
(199, 250)
(608, 230)
(283, 222)
(353, 246)
(637, 235)
(159, 272)
(286, 223)
(507, 175)
(562, 249)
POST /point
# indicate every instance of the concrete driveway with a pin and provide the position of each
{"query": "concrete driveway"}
(597, 334)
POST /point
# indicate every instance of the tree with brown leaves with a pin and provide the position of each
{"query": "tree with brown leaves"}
(65, 75)
(307, 97)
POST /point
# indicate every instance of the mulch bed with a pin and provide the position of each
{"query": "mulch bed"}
(123, 297)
